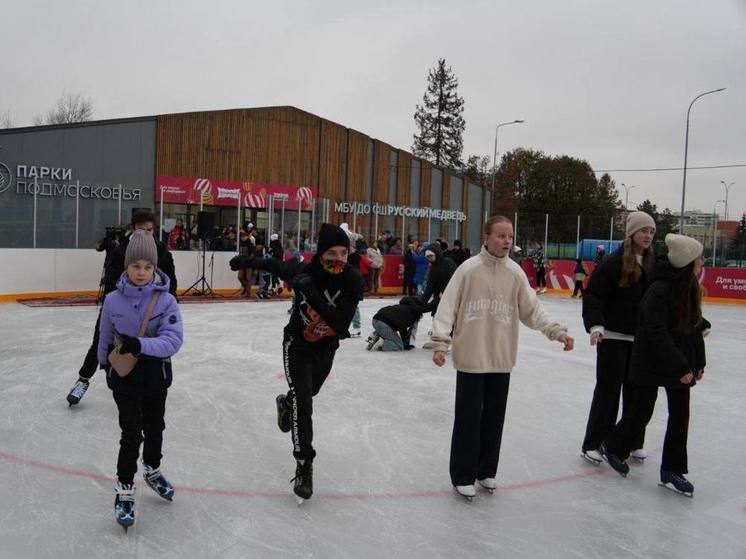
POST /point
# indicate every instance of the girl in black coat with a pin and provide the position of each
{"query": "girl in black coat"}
(669, 351)
(610, 308)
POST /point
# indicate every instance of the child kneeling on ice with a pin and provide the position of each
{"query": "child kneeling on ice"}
(140, 318)
(479, 314)
(394, 325)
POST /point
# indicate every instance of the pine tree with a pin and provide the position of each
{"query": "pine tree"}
(439, 119)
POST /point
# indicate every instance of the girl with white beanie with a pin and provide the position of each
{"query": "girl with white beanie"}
(610, 308)
(669, 351)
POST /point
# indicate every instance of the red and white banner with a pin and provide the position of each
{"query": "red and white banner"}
(728, 283)
(213, 192)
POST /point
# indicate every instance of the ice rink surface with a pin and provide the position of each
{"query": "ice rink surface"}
(382, 427)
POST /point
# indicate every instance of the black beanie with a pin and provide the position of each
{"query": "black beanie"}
(331, 236)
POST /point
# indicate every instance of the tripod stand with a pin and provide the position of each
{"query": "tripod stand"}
(205, 287)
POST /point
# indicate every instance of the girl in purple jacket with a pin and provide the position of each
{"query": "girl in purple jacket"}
(141, 395)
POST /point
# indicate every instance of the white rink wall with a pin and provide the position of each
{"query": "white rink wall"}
(29, 271)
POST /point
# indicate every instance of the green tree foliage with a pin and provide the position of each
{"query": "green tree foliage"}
(534, 184)
(738, 244)
(439, 119)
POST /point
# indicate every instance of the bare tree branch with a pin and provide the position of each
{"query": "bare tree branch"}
(71, 107)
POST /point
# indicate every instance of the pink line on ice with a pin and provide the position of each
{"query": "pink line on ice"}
(277, 494)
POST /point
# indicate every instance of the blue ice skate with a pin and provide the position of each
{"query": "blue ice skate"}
(124, 505)
(676, 482)
(619, 465)
(158, 482)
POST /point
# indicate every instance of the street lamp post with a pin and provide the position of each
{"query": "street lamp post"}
(686, 150)
(626, 199)
(727, 189)
(715, 230)
(494, 153)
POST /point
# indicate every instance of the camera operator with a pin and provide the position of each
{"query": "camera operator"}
(114, 268)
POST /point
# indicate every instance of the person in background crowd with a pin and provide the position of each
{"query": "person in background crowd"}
(580, 276)
(422, 264)
(539, 265)
(397, 249)
(245, 248)
(376, 267)
(457, 254)
(410, 269)
(600, 254)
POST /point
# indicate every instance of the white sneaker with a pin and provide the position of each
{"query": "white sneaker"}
(467, 491)
(489, 483)
(639, 454)
(355, 333)
(543, 290)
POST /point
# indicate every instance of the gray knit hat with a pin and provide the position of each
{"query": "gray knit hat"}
(637, 221)
(682, 250)
(141, 246)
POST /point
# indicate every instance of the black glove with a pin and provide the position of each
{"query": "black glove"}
(240, 262)
(130, 344)
(302, 283)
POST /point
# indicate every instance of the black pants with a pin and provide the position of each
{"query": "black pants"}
(306, 370)
(578, 288)
(623, 437)
(140, 417)
(90, 362)
(541, 280)
(478, 421)
(612, 377)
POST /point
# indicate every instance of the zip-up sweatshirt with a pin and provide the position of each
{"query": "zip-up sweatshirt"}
(480, 311)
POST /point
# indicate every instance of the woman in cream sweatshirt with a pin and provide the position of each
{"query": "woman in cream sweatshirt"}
(479, 316)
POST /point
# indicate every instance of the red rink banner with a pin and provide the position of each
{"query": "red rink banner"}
(727, 283)
(214, 192)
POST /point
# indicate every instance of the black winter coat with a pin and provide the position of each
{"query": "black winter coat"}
(115, 268)
(438, 276)
(660, 355)
(410, 267)
(402, 316)
(608, 305)
(322, 315)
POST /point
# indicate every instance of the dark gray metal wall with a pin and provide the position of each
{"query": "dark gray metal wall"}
(103, 154)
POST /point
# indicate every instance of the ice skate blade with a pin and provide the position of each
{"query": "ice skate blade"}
(299, 500)
(466, 497)
(591, 460)
(670, 487)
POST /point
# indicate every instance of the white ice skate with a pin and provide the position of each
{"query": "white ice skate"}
(489, 483)
(593, 456)
(355, 333)
(466, 491)
(638, 455)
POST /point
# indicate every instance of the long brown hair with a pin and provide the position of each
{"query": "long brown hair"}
(688, 298)
(631, 271)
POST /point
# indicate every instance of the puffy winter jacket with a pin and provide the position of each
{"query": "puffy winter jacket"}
(123, 313)
(661, 355)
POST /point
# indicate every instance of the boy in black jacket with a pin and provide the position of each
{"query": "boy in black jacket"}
(393, 324)
(326, 293)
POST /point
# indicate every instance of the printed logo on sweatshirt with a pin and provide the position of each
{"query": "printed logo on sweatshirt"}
(499, 309)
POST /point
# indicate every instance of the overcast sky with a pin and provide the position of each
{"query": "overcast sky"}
(605, 81)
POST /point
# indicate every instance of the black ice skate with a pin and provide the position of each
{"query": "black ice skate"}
(158, 482)
(284, 415)
(303, 481)
(77, 392)
(676, 483)
(124, 505)
(619, 465)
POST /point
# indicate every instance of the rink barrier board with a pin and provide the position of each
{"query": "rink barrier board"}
(37, 273)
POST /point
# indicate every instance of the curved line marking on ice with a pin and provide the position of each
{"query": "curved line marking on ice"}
(11, 458)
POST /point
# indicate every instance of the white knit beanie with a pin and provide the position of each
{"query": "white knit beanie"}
(637, 221)
(682, 250)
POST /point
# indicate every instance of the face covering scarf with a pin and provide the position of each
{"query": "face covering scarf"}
(333, 267)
